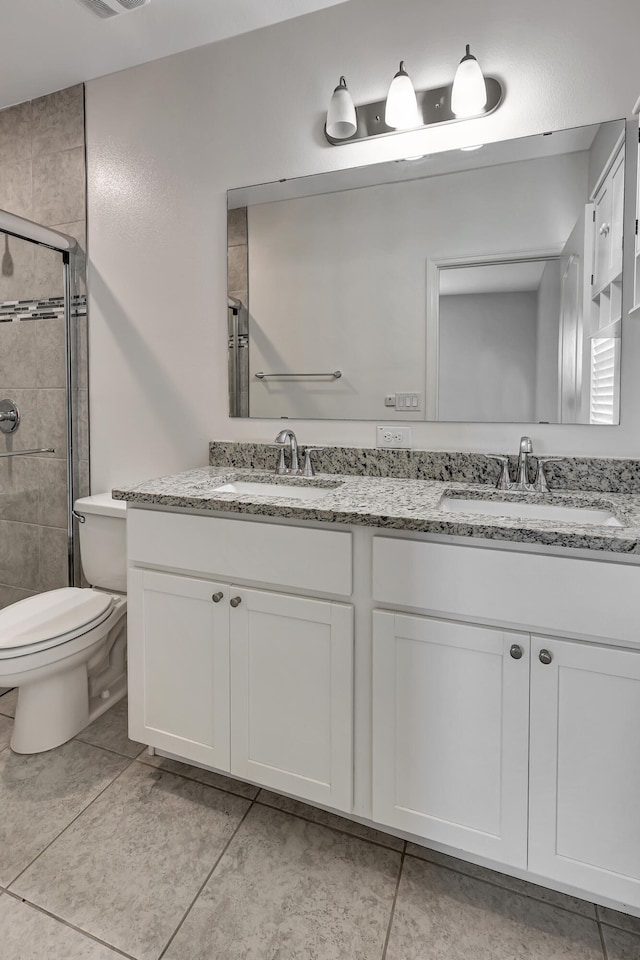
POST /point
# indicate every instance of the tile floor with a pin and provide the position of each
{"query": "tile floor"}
(106, 852)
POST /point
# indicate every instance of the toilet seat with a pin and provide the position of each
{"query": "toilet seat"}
(51, 619)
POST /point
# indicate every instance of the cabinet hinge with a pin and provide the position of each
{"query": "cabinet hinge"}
(594, 216)
(636, 226)
(591, 279)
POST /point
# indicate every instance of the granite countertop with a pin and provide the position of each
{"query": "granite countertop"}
(398, 504)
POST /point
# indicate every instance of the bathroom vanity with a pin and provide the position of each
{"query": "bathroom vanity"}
(471, 682)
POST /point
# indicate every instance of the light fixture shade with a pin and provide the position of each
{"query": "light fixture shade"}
(469, 91)
(401, 109)
(342, 122)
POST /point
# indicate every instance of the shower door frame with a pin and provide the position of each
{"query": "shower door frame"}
(42, 236)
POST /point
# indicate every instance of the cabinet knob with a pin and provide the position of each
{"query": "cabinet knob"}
(235, 601)
(217, 597)
(545, 656)
(604, 230)
(516, 651)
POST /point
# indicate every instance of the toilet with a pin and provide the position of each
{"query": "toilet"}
(65, 650)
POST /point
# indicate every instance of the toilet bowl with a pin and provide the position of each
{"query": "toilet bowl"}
(65, 650)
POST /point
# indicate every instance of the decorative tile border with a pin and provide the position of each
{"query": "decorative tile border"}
(589, 474)
(44, 309)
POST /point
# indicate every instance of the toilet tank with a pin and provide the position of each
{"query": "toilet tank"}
(103, 541)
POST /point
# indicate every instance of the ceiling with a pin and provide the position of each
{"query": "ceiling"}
(51, 44)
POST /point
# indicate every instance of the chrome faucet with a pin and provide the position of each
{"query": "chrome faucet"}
(294, 464)
(522, 481)
(522, 484)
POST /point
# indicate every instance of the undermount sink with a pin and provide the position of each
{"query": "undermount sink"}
(563, 513)
(289, 490)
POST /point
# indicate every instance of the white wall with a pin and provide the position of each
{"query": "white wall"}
(166, 140)
(487, 362)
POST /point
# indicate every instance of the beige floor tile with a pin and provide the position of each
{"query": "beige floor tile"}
(111, 731)
(28, 934)
(130, 866)
(443, 915)
(290, 889)
(326, 819)
(620, 944)
(503, 880)
(211, 779)
(8, 703)
(41, 794)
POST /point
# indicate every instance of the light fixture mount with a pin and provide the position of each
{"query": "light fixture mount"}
(434, 107)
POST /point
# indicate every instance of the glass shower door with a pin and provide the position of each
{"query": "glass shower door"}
(36, 488)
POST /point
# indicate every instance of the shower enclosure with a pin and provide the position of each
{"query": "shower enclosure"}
(43, 416)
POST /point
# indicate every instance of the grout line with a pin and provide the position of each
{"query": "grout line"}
(117, 753)
(70, 824)
(71, 926)
(186, 776)
(605, 952)
(205, 882)
(516, 893)
(318, 823)
(393, 905)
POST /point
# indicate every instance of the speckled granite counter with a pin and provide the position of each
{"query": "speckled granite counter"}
(398, 504)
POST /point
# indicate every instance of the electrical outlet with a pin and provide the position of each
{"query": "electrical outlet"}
(399, 437)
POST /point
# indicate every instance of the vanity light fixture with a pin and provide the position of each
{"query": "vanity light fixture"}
(470, 95)
(469, 92)
(341, 115)
(401, 106)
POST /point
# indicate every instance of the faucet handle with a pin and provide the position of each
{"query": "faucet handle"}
(526, 446)
(541, 485)
(504, 480)
(307, 470)
(281, 468)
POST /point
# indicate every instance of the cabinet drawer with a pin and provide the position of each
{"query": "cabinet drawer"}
(318, 560)
(572, 597)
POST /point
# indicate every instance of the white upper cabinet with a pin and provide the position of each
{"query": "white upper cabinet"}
(450, 733)
(609, 215)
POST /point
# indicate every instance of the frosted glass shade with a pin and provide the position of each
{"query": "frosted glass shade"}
(401, 109)
(469, 91)
(342, 122)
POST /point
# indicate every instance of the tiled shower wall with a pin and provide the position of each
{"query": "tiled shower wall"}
(42, 178)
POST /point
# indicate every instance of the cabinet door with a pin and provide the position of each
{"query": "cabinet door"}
(585, 767)
(609, 208)
(602, 235)
(179, 665)
(292, 695)
(450, 733)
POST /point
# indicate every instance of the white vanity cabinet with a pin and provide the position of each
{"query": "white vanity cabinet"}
(255, 682)
(450, 733)
(533, 762)
(179, 665)
(585, 767)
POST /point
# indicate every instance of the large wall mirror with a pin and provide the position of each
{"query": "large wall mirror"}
(473, 285)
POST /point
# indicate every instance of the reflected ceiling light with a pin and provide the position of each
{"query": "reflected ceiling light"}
(401, 107)
(469, 91)
(470, 95)
(341, 115)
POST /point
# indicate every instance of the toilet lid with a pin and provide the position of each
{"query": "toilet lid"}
(50, 615)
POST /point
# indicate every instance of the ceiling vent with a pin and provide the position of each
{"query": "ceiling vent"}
(111, 8)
